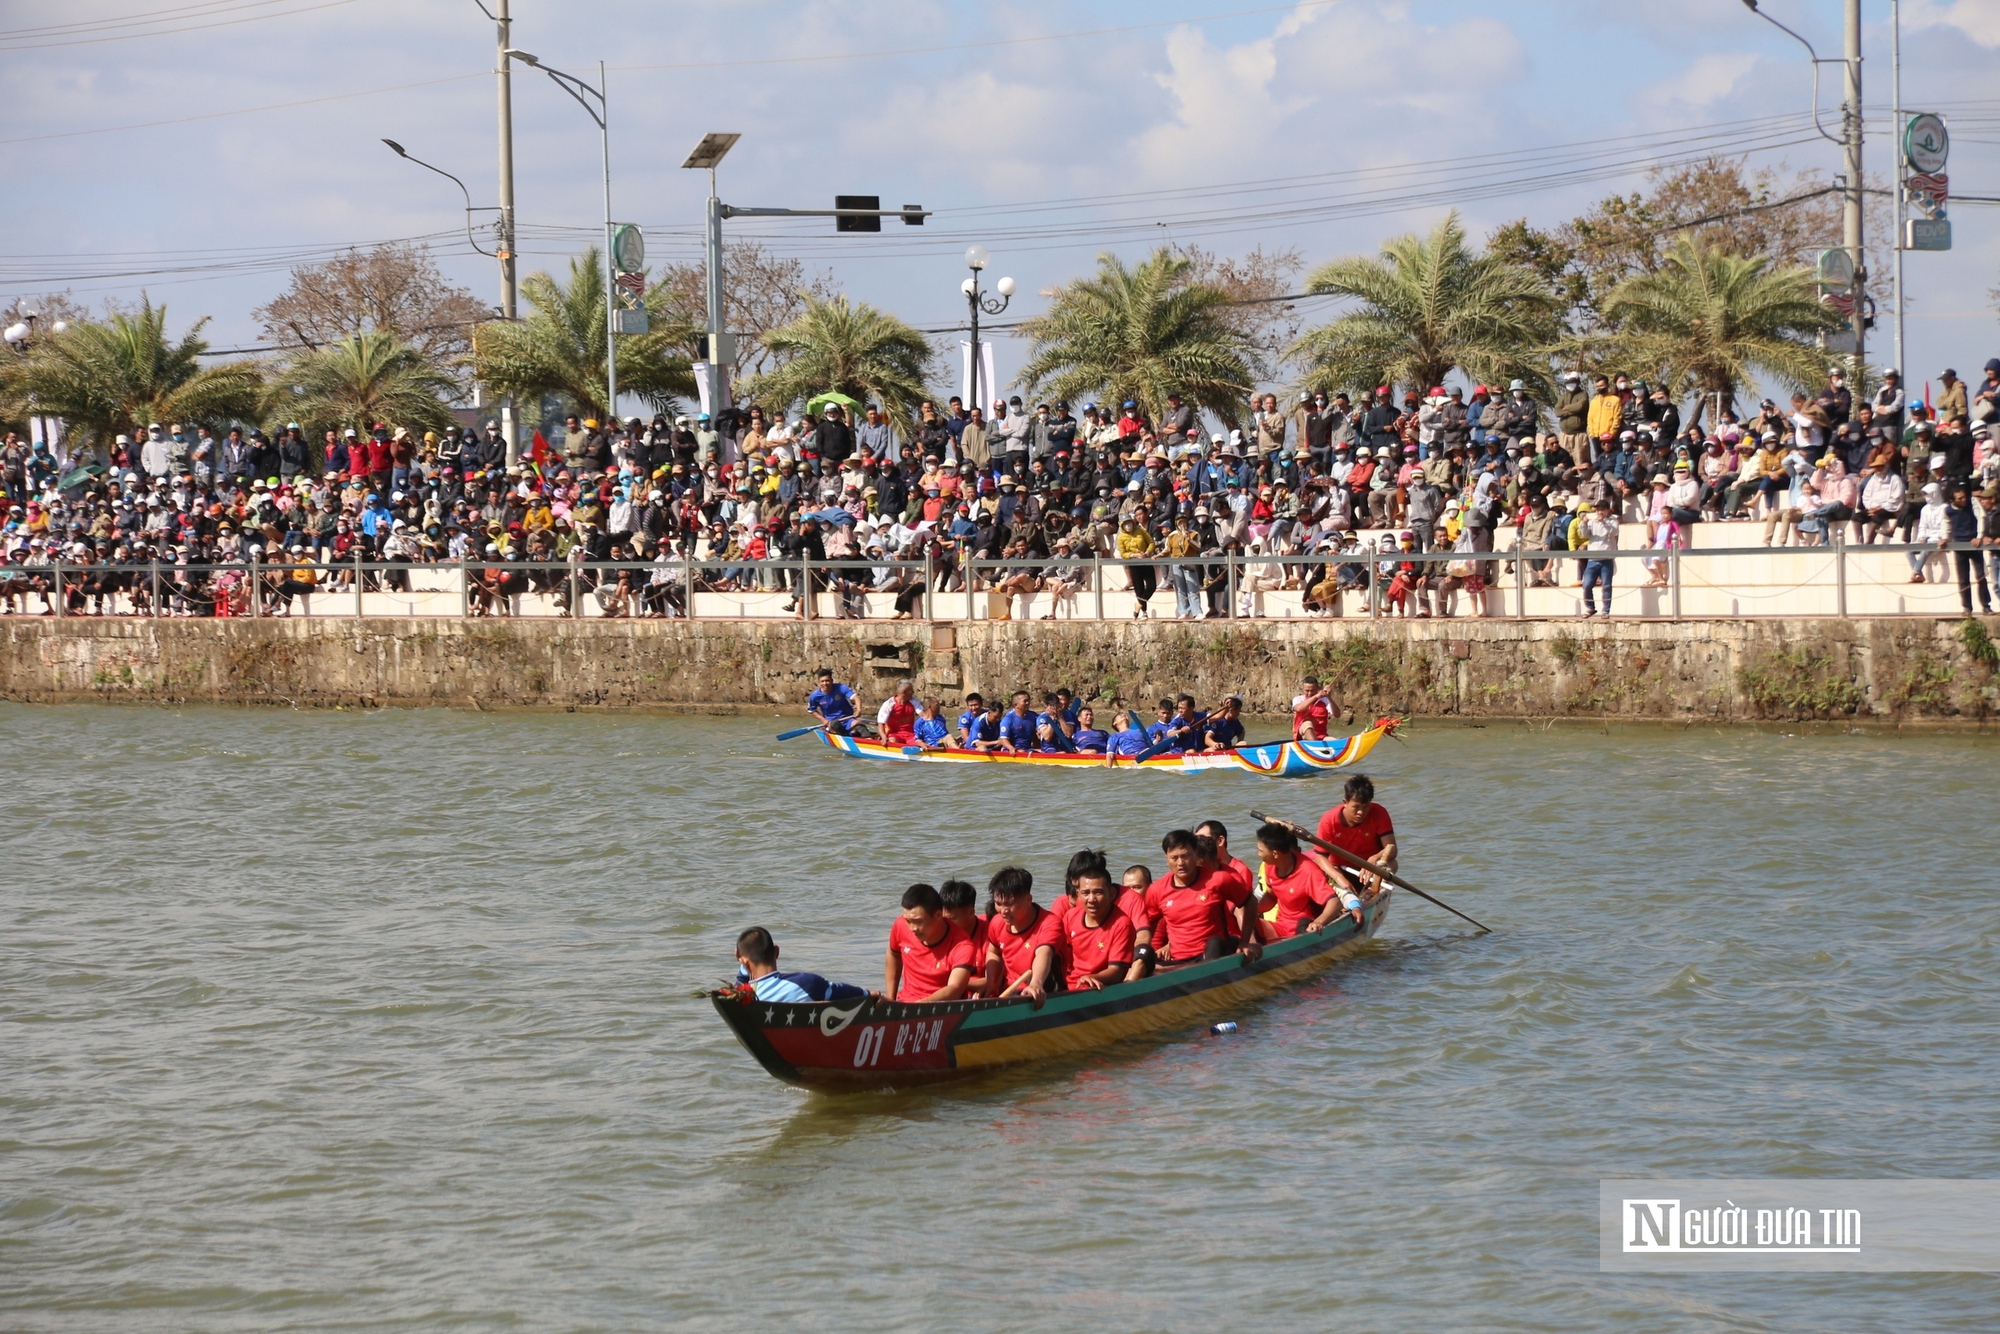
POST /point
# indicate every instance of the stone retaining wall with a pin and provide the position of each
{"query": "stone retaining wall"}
(1904, 669)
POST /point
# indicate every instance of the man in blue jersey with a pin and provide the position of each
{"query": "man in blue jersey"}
(975, 709)
(1128, 739)
(1158, 727)
(1017, 729)
(984, 731)
(1183, 730)
(833, 704)
(1088, 738)
(757, 964)
(1053, 726)
(1224, 728)
(1070, 706)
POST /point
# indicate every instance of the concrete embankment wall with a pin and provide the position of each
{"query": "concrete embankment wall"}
(1884, 670)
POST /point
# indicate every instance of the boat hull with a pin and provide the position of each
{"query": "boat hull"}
(1273, 759)
(875, 1043)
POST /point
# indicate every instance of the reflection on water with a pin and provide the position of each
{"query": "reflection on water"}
(391, 1019)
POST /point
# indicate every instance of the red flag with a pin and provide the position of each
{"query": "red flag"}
(540, 452)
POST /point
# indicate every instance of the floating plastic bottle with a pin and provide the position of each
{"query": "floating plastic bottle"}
(1223, 1028)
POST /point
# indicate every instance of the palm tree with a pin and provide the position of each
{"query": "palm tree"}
(1711, 320)
(1141, 334)
(1430, 305)
(855, 349)
(559, 348)
(122, 373)
(371, 377)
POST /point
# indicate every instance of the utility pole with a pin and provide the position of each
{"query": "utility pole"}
(509, 290)
(1902, 168)
(1850, 221)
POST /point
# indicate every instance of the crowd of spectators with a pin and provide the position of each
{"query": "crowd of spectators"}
(1042, 489)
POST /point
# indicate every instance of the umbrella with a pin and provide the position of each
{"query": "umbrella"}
(831, 515)
(818, 401)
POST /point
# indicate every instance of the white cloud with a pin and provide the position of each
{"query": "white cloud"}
(1977, 19)
(1709, 80)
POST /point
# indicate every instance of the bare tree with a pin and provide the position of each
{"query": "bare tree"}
(395, 288)
(1257, 285)
(760, 292)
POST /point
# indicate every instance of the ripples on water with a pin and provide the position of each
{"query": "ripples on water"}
(319, 1021)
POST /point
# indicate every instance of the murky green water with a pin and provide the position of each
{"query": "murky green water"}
(387, 1021)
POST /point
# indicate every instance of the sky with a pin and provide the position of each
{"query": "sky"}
(1048, 130)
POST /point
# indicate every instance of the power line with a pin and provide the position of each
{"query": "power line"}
(169, 31)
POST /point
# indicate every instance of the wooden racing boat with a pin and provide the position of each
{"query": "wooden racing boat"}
(1272, 759)
(874, 1043)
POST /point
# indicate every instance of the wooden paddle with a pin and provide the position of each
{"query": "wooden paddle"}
(1362, 864)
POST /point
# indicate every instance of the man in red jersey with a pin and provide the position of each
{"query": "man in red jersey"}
(1312, 712)
(959, 905)
(1132, 888)
(1100, 936)
(1297, 892)
(1224, 863)
(1192, 906)
(1361, 825)
(897, 718)
(929, 958)
(1026, 939)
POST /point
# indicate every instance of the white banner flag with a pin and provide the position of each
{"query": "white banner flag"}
(989, 387)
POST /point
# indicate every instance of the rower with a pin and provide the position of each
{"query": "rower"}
(1158, 727)
(1017, 729)
(757, 964)
(975, 708)
(961, 906)
(1224, 729)
(833, 704)
(897, 718)
(929, 958)
(1128, 739)
(1361, 825)
(1312, 712)
(1192, 905)
(1088, 739)
(1183, 731)
(930, 728)
(1101, 938)
(984, 733)
(1297, 893)
(1224, 862)
(1132, 886)
(1053, 727)
(1025, 938)
(1068, 705)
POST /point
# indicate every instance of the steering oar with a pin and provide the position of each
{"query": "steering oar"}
(1362, 864)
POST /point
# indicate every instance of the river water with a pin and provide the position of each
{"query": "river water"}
(389, 1021)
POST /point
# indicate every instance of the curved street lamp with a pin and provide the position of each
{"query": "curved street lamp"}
(404, 153)
(976, 259)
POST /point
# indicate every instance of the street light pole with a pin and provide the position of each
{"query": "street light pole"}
(1850, 221)
(601, 113)
(976, 259)
(1902, 168)
(1851, 230)
(509, 285)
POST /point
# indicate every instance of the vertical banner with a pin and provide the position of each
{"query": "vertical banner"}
(989, 387)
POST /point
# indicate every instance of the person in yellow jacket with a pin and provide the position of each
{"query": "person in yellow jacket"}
(1135, 543)
(1607, 410)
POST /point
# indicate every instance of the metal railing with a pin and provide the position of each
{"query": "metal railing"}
(1671, 583)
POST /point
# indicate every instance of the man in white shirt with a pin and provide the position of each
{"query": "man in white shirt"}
(1600, 532)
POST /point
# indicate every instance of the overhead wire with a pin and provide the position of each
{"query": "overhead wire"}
(170, 31)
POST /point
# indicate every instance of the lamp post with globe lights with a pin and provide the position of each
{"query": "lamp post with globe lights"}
(976, 259)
